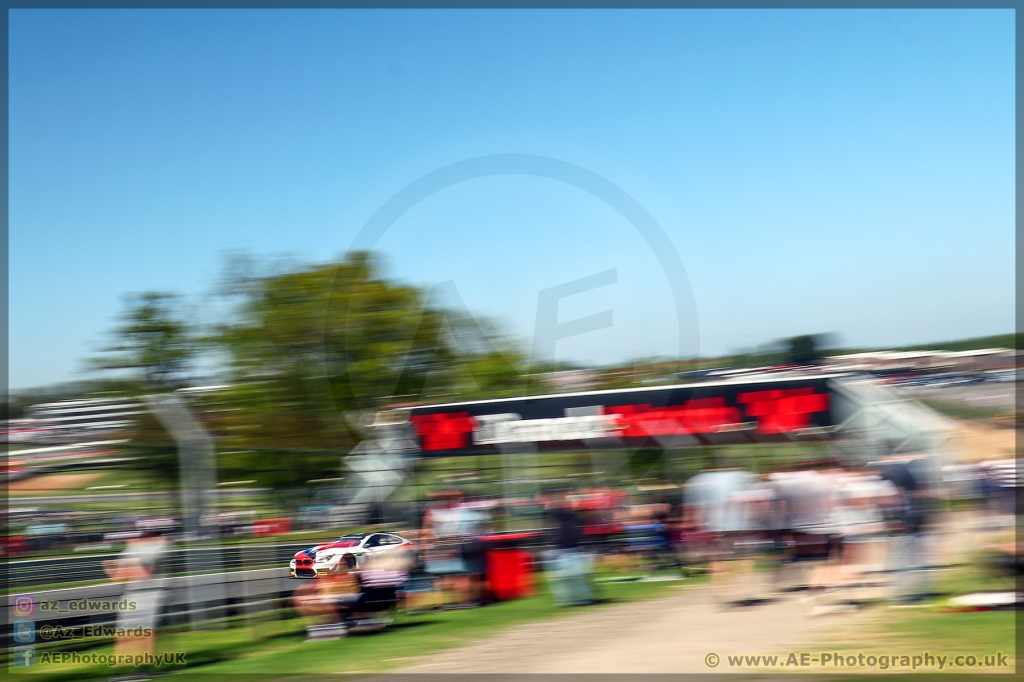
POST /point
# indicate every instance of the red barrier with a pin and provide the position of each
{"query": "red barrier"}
(14, 545)
(267, 527)
(509, 574)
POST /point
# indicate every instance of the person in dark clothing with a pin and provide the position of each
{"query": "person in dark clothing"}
(568, 528)
(474, 556)
(664, 552)
(568, 566)
(908, 516)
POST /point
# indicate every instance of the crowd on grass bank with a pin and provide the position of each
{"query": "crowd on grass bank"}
(832, 532)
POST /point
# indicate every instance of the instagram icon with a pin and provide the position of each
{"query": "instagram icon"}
(24, 605)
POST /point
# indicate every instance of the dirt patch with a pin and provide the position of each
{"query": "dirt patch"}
(51, 483)
(978, 441)
(691, 631)
(682, 633)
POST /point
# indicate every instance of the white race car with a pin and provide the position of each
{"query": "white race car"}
(351, 549)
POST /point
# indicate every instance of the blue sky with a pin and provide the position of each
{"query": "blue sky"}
(817, 171)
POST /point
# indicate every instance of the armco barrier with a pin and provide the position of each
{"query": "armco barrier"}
(23, 574)
(183, 597)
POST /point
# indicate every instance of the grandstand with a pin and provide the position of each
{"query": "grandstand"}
(69, 421)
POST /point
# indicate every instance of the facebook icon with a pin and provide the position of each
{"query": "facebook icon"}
(24, 656)
(24, 631)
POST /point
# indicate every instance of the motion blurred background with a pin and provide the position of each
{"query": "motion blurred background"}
(209, 376)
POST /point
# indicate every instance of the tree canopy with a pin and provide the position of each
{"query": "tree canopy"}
(153, 345)
(302, 351)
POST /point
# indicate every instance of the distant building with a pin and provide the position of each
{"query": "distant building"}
(69, 421)
(572, 380)
(926, 361)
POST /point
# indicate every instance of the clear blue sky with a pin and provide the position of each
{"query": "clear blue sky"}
(817, 171)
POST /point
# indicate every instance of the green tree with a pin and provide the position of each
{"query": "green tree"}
(153, 346)
(381, 342)
(804, 350)
(309, 348)
(309, 345)
(304, 350)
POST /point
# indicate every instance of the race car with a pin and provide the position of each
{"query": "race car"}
(352, 549)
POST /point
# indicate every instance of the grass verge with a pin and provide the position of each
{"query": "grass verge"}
(277, 648)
